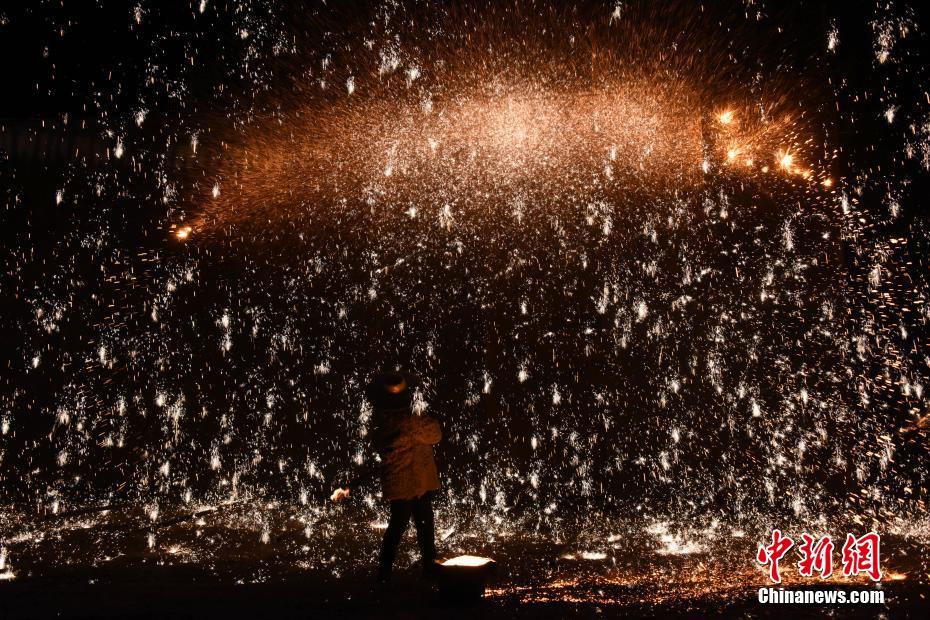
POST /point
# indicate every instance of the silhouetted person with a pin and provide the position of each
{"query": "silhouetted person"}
(404, 440)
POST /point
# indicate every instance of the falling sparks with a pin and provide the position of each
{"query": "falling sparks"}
(648, 273)
(833, 39)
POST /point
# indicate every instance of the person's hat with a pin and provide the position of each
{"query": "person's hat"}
(392, 390)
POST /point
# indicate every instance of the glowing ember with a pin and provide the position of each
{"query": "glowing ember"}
(786, 161)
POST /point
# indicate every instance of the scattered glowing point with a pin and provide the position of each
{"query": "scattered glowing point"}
(467, 560)
(725, 117)
(807, 174)
(828, 182)
(897, 576)
(216, 190)
(378, 525)
(765, 168)
(749, 163)
(731, 154)
(183, 233)
(593, 555)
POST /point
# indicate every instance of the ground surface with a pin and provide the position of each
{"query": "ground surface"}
(252, 560)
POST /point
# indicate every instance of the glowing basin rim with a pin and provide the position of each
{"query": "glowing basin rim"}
(466, 560)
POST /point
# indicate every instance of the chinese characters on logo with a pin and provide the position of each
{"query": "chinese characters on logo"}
(860, 555)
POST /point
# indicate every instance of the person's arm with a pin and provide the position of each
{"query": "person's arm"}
(426, 430)
(406, 433)
(389, 437)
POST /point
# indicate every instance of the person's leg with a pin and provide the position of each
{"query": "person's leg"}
(400, 518)
(426, 537)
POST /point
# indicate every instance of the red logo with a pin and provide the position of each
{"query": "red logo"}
(773, 554)
(815, 556)
(860, 555)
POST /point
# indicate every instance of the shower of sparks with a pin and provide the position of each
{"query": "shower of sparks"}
(476, 145)
(645, 264)
(471, 146)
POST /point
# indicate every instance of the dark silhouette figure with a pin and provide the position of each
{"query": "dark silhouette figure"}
(404, 440)
(401, 511)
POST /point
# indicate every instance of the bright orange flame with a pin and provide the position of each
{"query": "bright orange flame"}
(467, 560)
(725, 117)
(183, 233)
(786, 160)
(828, 182)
